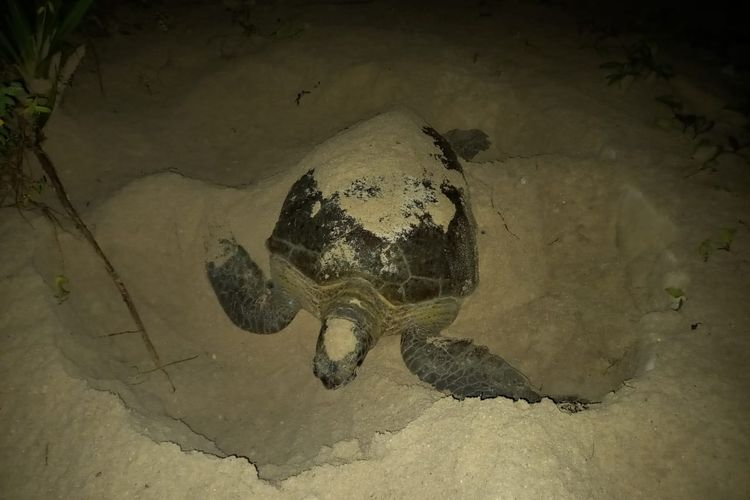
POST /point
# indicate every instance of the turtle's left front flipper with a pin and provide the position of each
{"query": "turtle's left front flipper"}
(461, 367)
(250, 302)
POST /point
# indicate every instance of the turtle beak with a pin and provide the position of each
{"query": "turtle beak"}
(334, 375)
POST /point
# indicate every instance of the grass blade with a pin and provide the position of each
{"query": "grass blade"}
(73, 18)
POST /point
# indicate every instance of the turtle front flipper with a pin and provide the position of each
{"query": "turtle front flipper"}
(250, 302)
(462, 368)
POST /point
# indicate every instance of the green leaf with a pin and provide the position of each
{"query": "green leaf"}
(678, 297)
(15, 89)
(29, 39)
(723, 241)
(41, 109)
(726, 237)
(6, 101)
(19, 31)
(61, 293)
(73, 18)
(706, 151)
(675, 293)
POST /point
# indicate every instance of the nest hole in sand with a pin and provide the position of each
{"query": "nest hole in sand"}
(572, 260)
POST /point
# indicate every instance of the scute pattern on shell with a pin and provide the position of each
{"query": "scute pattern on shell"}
(425, 262)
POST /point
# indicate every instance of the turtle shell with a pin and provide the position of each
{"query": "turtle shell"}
(385, 201)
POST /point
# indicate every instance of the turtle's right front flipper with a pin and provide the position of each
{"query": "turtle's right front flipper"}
(250, 302)
(461, 367)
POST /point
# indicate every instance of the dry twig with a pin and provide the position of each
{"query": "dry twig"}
(49, 169)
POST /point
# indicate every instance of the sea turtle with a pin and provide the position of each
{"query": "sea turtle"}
(375, 238)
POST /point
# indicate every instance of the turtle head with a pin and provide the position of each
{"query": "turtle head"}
(345, 338)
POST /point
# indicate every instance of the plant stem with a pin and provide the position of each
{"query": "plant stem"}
(51, 172)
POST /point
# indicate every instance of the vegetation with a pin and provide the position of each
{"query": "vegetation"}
(38, 62)
(678, 297)
(722, 240)
(640, 64)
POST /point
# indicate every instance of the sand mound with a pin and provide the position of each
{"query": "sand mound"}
(567, 261)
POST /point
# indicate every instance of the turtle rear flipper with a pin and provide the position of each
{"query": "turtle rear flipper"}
(250, 302)
(461, 367)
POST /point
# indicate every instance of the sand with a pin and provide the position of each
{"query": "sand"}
(587, 210)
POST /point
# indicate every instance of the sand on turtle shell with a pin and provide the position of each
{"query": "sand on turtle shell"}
(390, 157)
